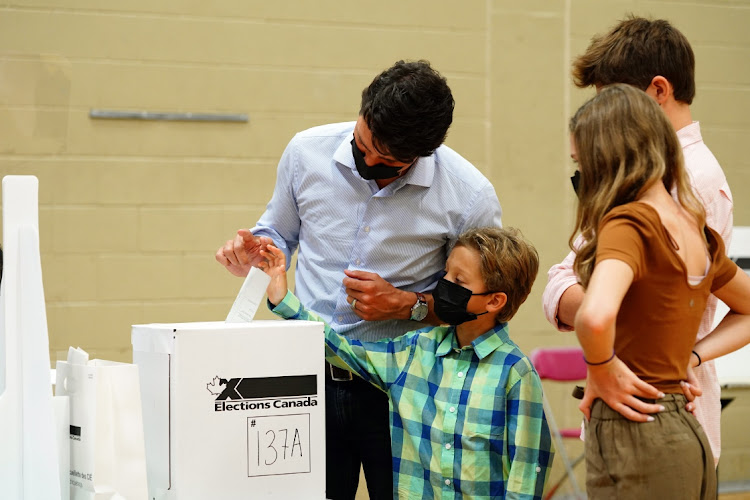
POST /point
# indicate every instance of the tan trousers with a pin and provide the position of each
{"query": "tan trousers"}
(669, 458)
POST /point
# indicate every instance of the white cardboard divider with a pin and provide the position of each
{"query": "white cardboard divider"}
(29, 455)
(733, 369)
(233, 410)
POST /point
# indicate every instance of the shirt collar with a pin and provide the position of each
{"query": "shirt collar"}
(420, 174)
(690, 134)
(483, 346)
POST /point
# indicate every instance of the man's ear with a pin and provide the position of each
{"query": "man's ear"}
(497, 302)
(660, 90)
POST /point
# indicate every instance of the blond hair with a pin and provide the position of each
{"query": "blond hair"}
(624, 143)
(509, 263)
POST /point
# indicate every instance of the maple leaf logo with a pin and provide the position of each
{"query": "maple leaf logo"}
(215, 386)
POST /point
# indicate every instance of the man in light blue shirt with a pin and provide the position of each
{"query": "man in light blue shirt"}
(374, 207)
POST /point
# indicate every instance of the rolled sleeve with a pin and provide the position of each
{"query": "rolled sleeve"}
(560, 277)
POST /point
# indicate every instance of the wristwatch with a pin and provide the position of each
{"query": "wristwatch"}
(419, 309)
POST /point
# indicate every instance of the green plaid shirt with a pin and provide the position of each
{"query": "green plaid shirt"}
(465, 422)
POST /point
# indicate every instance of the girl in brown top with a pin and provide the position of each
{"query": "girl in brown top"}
(648, 266)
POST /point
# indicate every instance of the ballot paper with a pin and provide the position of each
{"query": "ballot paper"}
(77, 356)
(250, 296)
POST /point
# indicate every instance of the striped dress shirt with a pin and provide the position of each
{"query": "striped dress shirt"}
(465, 422)
(340, 221)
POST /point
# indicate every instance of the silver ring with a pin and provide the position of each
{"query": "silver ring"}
(354, 305)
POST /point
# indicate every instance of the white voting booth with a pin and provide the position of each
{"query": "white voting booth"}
(233, 410)
(34, 453)
(733, 370)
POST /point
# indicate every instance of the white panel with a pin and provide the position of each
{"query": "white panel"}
(734, 368)
(29, 463)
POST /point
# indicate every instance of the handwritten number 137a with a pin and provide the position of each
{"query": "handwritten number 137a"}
(296, 442)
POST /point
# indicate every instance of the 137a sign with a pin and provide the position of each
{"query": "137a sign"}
(278, 444)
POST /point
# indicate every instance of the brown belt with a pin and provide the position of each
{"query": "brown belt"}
(338, 374)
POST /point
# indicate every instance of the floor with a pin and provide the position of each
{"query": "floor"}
(735, 496)
(362, 492)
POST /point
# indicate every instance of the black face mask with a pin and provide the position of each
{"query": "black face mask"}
(378, 171)
(451, 300)
(575, 179)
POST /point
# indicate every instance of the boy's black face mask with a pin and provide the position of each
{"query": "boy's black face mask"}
(575, 179)
(451, 301)
(378, 171)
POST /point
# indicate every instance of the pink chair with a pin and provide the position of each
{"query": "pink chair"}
(561, 364)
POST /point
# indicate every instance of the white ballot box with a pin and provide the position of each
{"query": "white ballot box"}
(233, 410)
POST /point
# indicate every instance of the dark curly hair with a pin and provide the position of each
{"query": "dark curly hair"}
(408, 109)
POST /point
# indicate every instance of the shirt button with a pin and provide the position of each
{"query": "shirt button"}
(539, 469)
(452, 409)
(447, 482)
(367, 229)
(358, 262)
(341, 319)
(460, 374)
(447, 446)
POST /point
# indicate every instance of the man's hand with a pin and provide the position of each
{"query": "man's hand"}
(377, 299)
(274, 266)
(618, 386)
(242, 253)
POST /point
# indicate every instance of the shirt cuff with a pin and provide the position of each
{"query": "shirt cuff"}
(289, 308)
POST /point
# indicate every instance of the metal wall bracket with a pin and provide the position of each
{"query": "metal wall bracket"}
(106, 114)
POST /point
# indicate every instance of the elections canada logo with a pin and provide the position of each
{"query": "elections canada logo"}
(264, 393)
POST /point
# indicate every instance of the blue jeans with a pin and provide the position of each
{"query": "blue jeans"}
(357, 432)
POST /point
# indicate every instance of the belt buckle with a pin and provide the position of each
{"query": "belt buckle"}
(335, 378)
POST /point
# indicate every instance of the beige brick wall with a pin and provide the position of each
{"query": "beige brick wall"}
(132, 212)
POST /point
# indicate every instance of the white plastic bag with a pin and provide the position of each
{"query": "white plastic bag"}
(107, 452)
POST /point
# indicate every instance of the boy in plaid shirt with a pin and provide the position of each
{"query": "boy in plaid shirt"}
(465, 403)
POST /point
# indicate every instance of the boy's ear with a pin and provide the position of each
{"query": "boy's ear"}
(660, 89)
(497, 302)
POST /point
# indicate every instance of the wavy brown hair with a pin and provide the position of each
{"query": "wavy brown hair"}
(635, 51)
(624, 143)
(509, 263)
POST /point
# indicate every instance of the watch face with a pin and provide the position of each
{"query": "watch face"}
(419, 311)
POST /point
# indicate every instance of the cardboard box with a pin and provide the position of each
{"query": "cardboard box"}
(233, 410)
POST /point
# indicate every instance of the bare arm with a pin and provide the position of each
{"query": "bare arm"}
(612, 380)
(734, 330)
(274, 265)
(570, 302)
